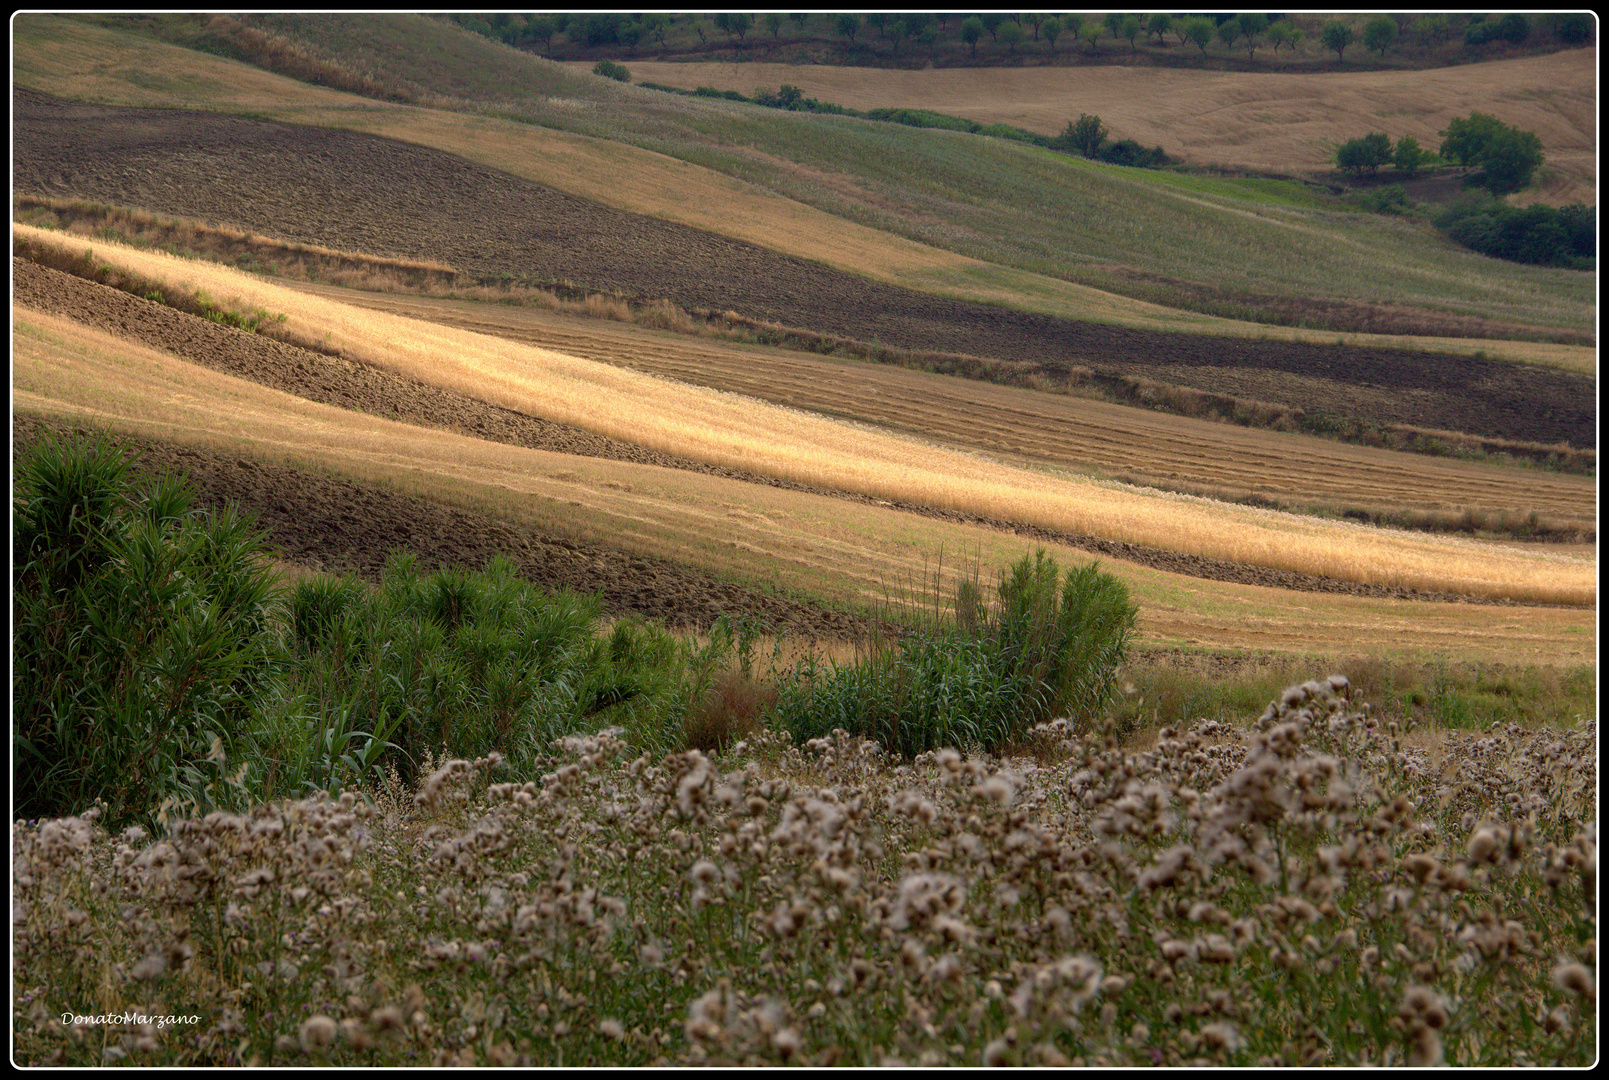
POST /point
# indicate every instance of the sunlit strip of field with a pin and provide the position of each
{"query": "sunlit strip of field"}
(728, 429)
(1029, 427)
(75, 60)
(814, 544)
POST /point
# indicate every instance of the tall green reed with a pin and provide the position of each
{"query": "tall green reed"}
(1048, 645)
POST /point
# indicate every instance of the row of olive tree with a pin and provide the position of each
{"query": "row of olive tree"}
(591, 30)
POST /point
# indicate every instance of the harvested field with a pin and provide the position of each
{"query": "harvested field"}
(1170, 452)
(931, 406)
(357, 192)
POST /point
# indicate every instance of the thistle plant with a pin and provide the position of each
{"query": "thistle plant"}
(1310, 887)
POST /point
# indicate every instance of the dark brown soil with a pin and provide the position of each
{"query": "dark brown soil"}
(363, 193)
(317, 540)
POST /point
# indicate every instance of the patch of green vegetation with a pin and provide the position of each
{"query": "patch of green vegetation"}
(1173, 691)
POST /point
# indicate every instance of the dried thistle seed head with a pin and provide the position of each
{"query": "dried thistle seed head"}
(1485, 844)
(1426, 1051)
(317, 1032)
(1422, 1005)
(1577, 979)
(1221, 1036)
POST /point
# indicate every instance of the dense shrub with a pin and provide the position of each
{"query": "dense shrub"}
(611, 70)
(1049, 646)
(157, 667)
(142, 634)
(1130, 153)
(1538, 234)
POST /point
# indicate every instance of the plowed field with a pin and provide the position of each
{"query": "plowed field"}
(358, 192)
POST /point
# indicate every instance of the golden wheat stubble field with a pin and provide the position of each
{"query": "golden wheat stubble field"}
(1265, 121)
(1037, 429)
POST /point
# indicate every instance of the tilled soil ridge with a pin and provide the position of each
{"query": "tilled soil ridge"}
(365, 193)
(344, 383)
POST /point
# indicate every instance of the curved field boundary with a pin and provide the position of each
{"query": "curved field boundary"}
(813, 545)
(1137, 445)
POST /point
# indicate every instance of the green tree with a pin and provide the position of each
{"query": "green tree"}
(1052, 28)
(1364, 154)
(1012, 34)
(971, 31)
(1509, 160)
(848, 25)
(1072, 22)
(1159, 24)
(879, 20)
(542, 28)
(1229, 31)
(1252, 26)
(1283, 33)
(1573, 28)
(1130, 28)
(1380, 34)
(654, 24)
(1408, 156)
(1198, 31)
(991, 22)
(773, 23)
(1092, 34)
(1113, 23)
(799, 18)
(1513, 28)
(1465, 137)
(1337, 35)
(1085, 136)
(1431, 30)
(735, 23)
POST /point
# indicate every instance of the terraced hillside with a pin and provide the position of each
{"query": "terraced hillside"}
(359, 192)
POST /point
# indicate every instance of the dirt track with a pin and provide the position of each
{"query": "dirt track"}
(326, 523)
(362, 193)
